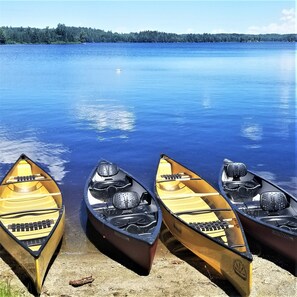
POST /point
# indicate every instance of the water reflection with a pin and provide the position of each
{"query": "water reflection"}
(253, 132)
(285, 105)
(289, 185)
(107, 117)
(266, 174)
(38, 151)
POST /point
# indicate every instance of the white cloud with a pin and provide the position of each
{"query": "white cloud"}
(288, 15)
(285, 25)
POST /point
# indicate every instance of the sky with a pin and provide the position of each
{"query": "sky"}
(196, 16)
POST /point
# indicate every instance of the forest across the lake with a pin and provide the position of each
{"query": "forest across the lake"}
(69, 34)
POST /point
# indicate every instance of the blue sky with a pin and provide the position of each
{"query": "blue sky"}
(253, 16)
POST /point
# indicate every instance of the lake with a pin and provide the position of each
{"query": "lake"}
(67, 106)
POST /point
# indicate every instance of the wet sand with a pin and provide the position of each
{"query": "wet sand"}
(175, 272)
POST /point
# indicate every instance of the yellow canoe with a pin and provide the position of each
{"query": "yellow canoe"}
(32, 217)
(204, 222)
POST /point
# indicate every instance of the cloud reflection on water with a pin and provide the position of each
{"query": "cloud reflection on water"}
(44, 153)
(289, 185)
(253, 132)
(107, 117)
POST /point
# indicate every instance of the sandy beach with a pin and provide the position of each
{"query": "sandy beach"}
(175, 272)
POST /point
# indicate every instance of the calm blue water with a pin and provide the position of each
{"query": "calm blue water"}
(67, 106)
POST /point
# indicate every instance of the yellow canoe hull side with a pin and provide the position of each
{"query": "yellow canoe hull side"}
(35, 267)
(42, 262)
(187, 202)
(221, 259)
(32, 217)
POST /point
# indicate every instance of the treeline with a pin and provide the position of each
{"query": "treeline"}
(67, 34)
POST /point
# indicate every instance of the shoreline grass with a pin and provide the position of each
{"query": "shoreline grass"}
(6, 290)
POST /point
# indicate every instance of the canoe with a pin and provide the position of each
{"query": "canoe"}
(204, 222)
(267, 212)
(124, 212)
(32, 217)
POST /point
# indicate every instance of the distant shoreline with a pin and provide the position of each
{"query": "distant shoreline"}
(63, 34)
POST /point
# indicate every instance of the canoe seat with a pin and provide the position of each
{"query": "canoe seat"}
(25, 178)
(237, 188)
(116, 183)
(107, 169)
(242, 189)
(236, 170)
(138, 223)
(125, 200)
(20, 227)
(173, 176)
(285, 222)
(210, 226)
(108, 187)
(273, 201)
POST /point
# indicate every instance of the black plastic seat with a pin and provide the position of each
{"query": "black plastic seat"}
(236, 170)
(125, 200)
(236, 187)
(107, 169)
(273, 201)
(108, 187)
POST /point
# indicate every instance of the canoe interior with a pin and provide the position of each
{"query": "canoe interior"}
(32, 217)
(196, 203)
(247, 196)
(30, 204)
(121, 203)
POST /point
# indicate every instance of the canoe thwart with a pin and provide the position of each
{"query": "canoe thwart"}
(29, 196)
(197, 211)
(24, 212)
(180, 196)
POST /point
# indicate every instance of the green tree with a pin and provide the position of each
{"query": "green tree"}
(2, 37)
(61, 32)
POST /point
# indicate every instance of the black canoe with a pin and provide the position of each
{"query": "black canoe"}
(123, 212)
(267, 212)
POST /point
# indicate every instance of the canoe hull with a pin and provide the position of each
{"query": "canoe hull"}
(41, 219)
(260, 224)
(283, 243)
(140, 252)
(190, 206)
(131, 229)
